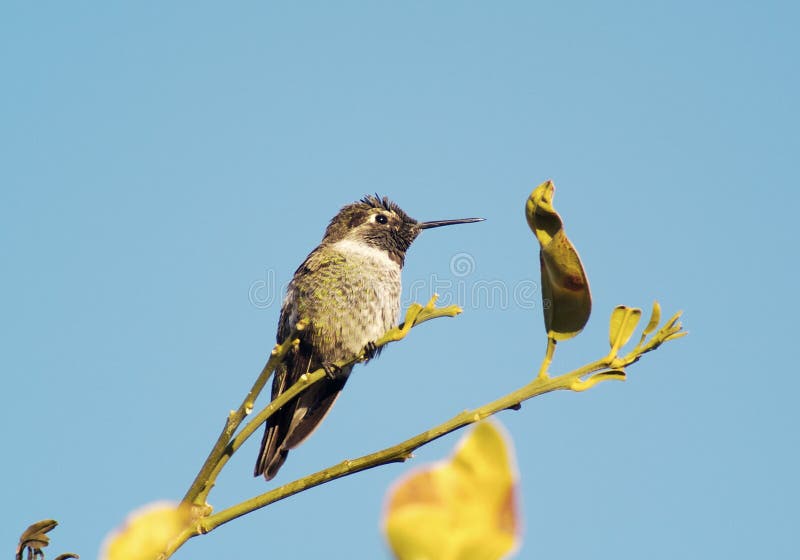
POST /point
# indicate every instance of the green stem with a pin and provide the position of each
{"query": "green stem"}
(396, 453)
(610, 367)
(548, 358)
(202, 483)
(227, 444)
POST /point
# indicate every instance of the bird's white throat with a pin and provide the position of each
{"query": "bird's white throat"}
(365, 250)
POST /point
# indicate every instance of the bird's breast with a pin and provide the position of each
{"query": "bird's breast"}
(351, 301)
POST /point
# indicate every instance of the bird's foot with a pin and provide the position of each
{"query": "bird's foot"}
(332, 371)
(370, 351)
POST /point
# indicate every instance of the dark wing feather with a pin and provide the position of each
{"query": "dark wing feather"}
(316, 403)
(298, 418)
(269, 456)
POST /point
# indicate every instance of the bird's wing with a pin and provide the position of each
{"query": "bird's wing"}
(298, 418)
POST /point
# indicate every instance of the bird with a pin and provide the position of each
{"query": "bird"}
(348, 289)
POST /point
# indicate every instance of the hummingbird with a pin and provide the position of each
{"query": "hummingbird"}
(349, 290)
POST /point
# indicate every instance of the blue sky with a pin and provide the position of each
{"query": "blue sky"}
(164, 167)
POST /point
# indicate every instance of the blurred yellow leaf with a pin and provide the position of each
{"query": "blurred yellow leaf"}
(623, 323)
(146, 532)
(461, 509)
(566, 300)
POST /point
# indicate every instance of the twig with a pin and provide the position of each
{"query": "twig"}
(229, 441)
(611, 367)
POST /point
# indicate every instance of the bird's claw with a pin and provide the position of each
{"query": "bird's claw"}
(332, 371)
(370, 350)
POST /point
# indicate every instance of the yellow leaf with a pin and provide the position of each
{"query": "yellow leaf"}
(655, 317)
(566, 299)
(623, 323)
(461, 509)
(146, 532)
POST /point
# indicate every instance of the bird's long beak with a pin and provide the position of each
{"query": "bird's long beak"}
(440, 223)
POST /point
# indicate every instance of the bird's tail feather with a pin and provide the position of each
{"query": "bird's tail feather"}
(294, 422)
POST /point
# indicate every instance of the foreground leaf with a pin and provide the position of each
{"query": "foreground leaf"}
(147, 532)
(461, 509)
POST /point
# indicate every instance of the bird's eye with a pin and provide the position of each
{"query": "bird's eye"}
(381, 219)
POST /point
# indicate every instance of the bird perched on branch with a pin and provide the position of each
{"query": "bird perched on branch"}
(349, 290)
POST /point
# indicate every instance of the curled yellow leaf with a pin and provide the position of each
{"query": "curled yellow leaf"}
(655, 318)
(461, 509)
(35, 538)
(566, 299)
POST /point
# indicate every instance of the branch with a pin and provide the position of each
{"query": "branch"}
(226, 444)
(202, 483)
(610, 367)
